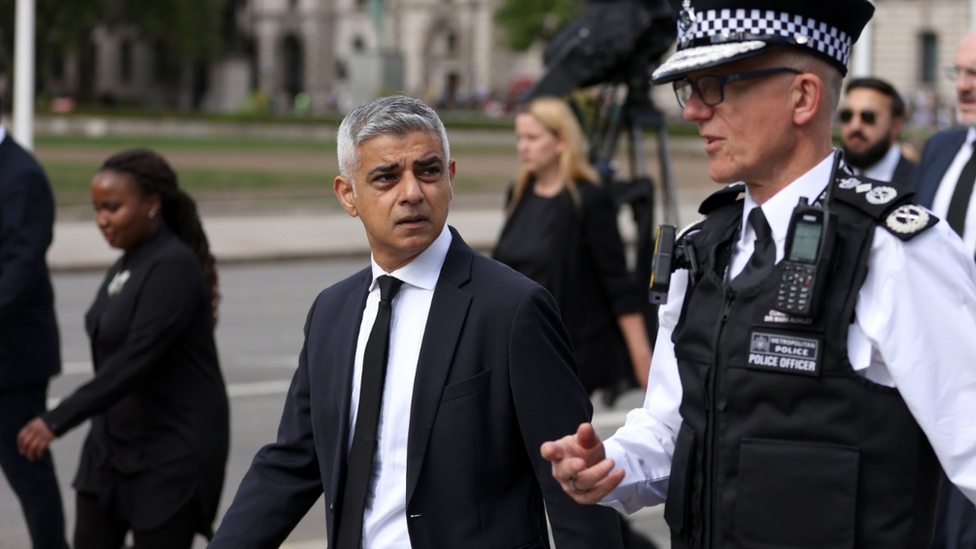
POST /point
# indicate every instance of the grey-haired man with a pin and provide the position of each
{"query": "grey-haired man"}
(427, 381)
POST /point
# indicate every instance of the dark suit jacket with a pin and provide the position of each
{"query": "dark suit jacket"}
(159, 431)
(937, 155)
(581, 261)
(904, 172)
(495, 379)
(29, 349)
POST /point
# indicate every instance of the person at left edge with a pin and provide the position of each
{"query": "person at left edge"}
(29, 349)
(479, 373)
(154, 459)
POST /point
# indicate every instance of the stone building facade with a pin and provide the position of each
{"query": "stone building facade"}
(337, 53)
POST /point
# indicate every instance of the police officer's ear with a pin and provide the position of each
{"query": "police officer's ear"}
(807, 97)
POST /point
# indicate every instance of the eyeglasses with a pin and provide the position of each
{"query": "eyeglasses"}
(867, 117)
(954, 72)
(711, 88)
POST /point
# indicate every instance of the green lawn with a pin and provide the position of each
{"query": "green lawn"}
(241, 143)
(71, 182)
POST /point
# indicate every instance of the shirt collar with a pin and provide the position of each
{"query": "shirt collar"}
(425, 269)
(3, 133)
(779, 209)
(970, 137)
(883, 168)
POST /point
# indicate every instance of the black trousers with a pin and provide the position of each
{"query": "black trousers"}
(95, 528)
(35, 483)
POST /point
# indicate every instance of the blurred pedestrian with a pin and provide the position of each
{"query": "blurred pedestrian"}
(561, 231)
(944, 181)
(871, 119)
(153, 462)
(29, 348)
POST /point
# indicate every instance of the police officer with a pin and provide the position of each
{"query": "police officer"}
(765, 425)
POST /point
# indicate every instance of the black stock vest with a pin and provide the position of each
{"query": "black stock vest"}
(782, 444)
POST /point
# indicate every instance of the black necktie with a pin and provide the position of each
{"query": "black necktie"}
(360, 462)
(956, 216)
(763, 255)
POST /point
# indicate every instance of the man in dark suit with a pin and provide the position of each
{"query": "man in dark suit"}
(29, 350)
(435, 443)
(871, 121)
(944, 182)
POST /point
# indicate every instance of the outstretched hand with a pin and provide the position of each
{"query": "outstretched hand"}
(34, 438)
(580, 465)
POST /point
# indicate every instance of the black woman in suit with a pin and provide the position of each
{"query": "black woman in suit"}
(153, 462)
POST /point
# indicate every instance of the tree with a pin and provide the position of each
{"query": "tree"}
(526, 21)
(189, 30)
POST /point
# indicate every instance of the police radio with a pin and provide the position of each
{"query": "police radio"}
(809, 251)
(670, 254)
(661, 265)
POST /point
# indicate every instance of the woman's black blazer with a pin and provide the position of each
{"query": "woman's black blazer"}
(158, 405)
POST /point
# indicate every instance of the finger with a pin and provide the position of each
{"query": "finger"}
(599, 490)
(551, 451)
(587, 477)
(586, 436)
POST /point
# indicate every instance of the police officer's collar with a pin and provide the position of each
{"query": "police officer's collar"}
(779, 208)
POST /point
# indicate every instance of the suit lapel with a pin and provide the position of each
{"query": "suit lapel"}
(940, 164)
(448, 309)
(347, 323)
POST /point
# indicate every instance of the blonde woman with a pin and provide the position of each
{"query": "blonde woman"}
(562, 232)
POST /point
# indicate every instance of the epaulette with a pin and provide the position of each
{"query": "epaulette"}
(725, 196)
(888, 203)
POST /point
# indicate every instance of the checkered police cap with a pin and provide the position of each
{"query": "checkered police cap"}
(715, 32)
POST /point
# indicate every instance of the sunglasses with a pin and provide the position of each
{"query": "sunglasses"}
(867, 117)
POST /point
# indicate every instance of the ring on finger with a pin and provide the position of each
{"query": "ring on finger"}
(572, 485)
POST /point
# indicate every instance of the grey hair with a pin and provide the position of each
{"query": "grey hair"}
(398, 115)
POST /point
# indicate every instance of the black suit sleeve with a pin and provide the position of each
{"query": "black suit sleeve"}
(26, 218)
(284, 480)
(603, 245)
(550, 402)
(167, 305)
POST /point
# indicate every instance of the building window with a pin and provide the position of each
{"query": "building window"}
(358, 44)
(928, 44)
(451, 43)
(126, 61)
(292, 4)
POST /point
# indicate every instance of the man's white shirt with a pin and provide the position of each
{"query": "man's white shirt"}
(385, 520)
(943, 195)
(914, 320)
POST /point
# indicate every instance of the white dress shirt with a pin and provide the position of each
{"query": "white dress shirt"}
(385, 519)
(940, 205)
(914, 320)
(884, 169)
(3, 133)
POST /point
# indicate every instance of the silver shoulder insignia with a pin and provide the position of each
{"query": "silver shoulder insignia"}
(881, 195)
(908, 219)
(849, 183)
